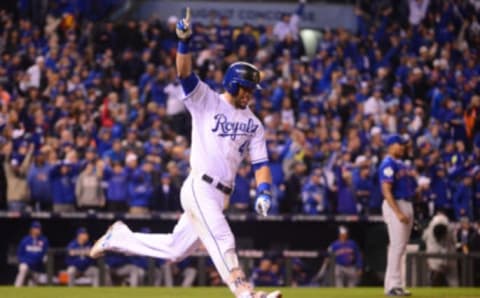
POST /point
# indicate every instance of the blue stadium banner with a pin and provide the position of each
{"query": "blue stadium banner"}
(317, 15)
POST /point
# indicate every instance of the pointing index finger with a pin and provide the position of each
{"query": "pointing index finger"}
(187, 14)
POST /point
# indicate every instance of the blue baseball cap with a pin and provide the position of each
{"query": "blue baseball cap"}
(36, 224)
(81, 230)
(395, 139)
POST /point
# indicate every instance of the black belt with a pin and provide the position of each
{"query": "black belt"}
(221, 187)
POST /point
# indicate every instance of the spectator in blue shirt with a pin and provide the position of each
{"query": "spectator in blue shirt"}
(141, 189)
(117, 178)
(62, 178)
(39, 183)
(348, 260)
(314, 194)
(463, 198)
(78, 261)
(240, 198)
(31, 254)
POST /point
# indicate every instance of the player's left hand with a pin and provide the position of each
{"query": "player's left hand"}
(262, 204)
(184, 28)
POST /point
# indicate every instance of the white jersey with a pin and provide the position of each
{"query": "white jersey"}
(222, 135)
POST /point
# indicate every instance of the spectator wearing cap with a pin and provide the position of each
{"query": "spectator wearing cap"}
(36, 74)
(141, 189)
(314, 194)
(348, 260)
(16, 169)
(117, 178)
(463, 197)
(424, 204)
(347, 203)
(363, 184)
(115, 154)
(39, 182)
(63, 176)
(31, 254)
(78, 261)
(89, 192)
(240, 198)
(441, 190)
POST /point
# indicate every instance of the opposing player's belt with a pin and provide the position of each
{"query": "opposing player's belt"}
(220, 186)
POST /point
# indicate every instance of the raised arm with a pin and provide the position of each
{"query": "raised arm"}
(184, 58)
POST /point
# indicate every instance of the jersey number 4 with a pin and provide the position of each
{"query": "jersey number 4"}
(243, 147)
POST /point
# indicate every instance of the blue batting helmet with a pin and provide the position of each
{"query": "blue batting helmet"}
(241, 74)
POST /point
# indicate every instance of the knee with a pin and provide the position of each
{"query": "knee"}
(71, 270)
(23, 267)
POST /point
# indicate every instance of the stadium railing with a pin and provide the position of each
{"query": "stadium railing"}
(247, 258)
(418, 273)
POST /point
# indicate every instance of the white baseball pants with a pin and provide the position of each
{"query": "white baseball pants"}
(399, 234)
(203, 221)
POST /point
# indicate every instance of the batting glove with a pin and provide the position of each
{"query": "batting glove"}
(184, 30)
(262, 204)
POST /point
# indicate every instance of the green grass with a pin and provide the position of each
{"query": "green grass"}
(62, 292)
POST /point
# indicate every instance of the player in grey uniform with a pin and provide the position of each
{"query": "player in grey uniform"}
(224, 132)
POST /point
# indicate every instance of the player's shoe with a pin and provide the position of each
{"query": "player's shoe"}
(101, 245)
(275, 294)
(399, 292)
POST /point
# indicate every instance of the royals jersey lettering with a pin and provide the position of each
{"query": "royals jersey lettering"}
(222, 135)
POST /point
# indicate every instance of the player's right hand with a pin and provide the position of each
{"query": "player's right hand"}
(403, 218)
(184, 28)
(262, 204)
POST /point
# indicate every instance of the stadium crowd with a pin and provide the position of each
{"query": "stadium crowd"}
(92, 117)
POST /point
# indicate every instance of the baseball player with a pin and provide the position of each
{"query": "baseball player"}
(348, 260)
(78, 261)
(224, 131)
(31, 253)
(398, 192)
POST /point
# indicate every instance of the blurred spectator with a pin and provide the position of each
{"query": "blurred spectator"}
(240, 198)
(88, 189)
(466, 235)
(78, 261)
(347, 203)
(348, 260)
(463, 198)
(363, 185)
(31, 254)
(62, 178)
(117, 187)
(293, 189)
(289, 24)
(39, 183)
(16, 167)
(440, 238)
(314, 194)
(418, 10)
(167, 195)
(141, 189)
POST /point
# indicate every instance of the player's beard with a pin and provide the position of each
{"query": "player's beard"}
(241, 102)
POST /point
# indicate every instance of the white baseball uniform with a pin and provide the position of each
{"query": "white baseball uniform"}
(221, 137)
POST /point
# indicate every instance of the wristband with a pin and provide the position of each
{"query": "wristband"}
(183, 47)
(264, 188)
